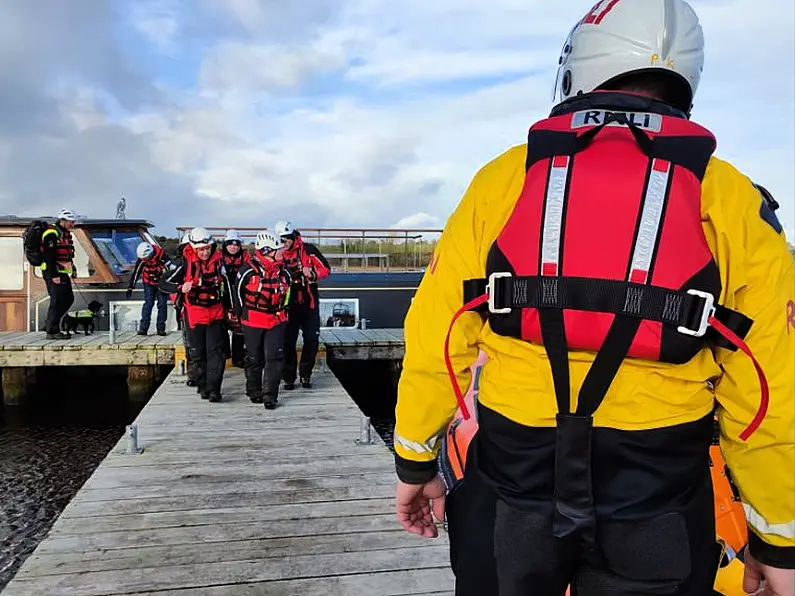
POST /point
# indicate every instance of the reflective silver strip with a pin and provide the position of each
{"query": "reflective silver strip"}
(416, 447)
(650, 221)
(553, 215)
(755, 519)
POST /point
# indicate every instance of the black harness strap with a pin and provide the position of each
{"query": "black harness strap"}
(651, 303)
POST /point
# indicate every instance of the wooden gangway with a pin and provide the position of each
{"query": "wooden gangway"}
(231, 499)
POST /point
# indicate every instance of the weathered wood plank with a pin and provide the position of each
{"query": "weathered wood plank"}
(130, 581)
(130, 349)
(186, 554)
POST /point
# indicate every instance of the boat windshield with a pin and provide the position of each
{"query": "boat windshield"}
(117, 248)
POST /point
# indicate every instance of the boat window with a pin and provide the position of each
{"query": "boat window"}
(83, 265)
(117, 248)
(12, 268)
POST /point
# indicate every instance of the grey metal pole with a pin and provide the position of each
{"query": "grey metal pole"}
(132, 439)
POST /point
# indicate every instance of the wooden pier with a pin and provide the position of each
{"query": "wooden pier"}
(231, 499)
(27, 349)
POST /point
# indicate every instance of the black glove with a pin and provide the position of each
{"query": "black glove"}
(128, 293)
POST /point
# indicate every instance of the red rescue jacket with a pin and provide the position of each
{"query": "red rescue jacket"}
(299, 256)
(205, 302)
(261, 293)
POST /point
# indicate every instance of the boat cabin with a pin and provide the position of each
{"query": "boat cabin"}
(104, 259)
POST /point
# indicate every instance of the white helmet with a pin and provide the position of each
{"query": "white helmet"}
(267, 241)
(283, 228)
(145, 250)
(199, 237)
(233, 236)
(185, 239)
(632, 36)
(66, 214)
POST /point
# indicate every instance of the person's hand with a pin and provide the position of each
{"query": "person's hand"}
(187, 286)
(414, 503)
(765, 580)
(128, 293)
(309, 273)
(56, 280)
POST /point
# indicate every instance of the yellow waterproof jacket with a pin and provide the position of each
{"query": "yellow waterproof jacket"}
(758, 279)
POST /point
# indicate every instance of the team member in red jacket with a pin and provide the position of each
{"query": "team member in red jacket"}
(260, 298)
(306, 265)
(235, 256)
(152, 262)
(201, 278)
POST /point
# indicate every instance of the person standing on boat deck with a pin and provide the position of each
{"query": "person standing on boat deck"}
(683, 308)
(306, 265)
(235, 256)
(200, 276)
(260, 298)
(58, 270)
(152, 262)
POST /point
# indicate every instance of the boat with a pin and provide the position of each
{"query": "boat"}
(375, 272)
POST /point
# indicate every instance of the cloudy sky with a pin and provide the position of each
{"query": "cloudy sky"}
(327, 112)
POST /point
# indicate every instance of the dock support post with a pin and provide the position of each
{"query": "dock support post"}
(16, 381)
(133, 448)
(140, 382)
(365, 431)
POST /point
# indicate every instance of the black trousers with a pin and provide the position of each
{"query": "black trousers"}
(238, 351)
(469, 512)
(306, 320)
(61, 300)
(264, 351)
(500, 549)
(206, 347)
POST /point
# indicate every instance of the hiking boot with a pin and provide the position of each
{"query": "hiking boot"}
(289, 385)
(190, 382)
(58, 335)
(270, 402)
(204, 394)
(215, 396)
(256, 398)
(162, 333)
(306, 383)
(142, 332)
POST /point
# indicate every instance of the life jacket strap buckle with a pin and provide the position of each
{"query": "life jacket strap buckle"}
(491, 290)
(707, 313)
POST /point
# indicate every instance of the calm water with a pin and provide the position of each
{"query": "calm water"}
(49, 448)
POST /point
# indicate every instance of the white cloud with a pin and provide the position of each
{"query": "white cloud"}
(344, 113)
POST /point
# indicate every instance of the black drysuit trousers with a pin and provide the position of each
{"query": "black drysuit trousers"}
(264, 351)
(206, 345)
(499, 549)
(61, 300)
(300, 317)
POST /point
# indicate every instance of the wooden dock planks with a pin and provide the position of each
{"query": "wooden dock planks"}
(34, 349)
(231, 499)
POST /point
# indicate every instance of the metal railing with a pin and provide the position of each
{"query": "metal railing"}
(359, 249)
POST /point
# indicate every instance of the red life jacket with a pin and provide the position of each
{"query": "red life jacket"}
(65, 247)
(233, 263)
(605, 249)
(207, 279)
(153, 267)
(264, 289)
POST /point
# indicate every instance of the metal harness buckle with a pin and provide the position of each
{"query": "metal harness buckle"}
(703, 323)
(490, 289)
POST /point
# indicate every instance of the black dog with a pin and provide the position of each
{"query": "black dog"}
(82, 318)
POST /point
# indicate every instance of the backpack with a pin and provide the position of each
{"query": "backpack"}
(31, 239)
